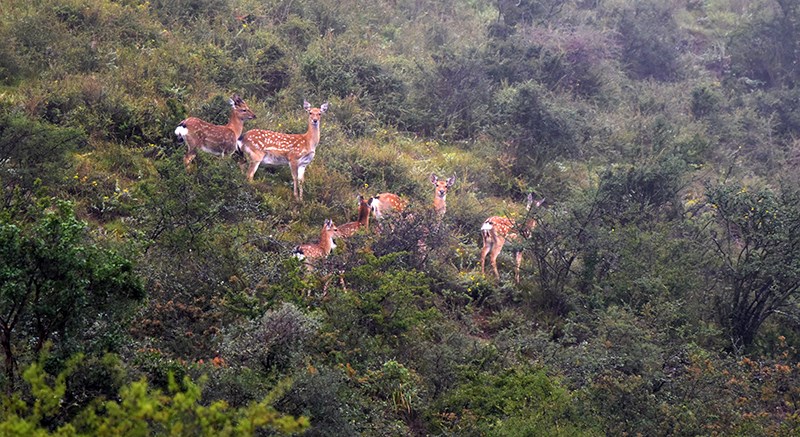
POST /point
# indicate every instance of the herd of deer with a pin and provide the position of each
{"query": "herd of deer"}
(297, 151)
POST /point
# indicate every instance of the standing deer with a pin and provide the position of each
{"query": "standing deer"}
(311, 252)
(215, 139)
(440, 193)
(275, 148)
(497, 229)
(347, 230)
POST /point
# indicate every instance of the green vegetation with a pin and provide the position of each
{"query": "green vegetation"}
(659, 292)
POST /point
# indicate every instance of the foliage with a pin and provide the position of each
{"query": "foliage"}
(657, 284)
(274, 342)
(139, 410)
(34, 153)
(58, 285)
(515, 401)
(757, 245)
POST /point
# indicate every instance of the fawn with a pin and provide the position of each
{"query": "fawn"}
(440, 193)
(311, 252)
(349, 229)
(496, 230)
(386, 203)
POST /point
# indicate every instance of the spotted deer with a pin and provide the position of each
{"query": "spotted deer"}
(274, 148)
(440, 193)
(387, 203)
(215, 139)
(496, 230)
(349, 229)
(311, 252)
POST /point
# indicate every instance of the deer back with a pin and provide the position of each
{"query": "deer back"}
(313, 251)
(281, 148)
(387, 203)
(212, 138)
(498, 226)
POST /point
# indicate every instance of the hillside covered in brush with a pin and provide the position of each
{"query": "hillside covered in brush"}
(660, 275)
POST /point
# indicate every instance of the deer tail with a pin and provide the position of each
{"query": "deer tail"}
(486, 229)
(181, 131)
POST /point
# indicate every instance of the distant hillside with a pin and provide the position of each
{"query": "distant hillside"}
(658, 285)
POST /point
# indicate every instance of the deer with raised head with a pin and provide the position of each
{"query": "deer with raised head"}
(440, 193)
(496, 230)
(311, 252)
(275, 148)
(349, 229)
(218, 140)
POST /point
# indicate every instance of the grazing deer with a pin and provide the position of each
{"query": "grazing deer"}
(311, 252)
(496, 230)
(275, 148)
(387, 203)
(347, 230)
(215, 139)
(440, 193)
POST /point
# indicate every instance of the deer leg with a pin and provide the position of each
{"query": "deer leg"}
(301, 178)
(496, 248)
(487, 246)
(251, 170)
(518, 255)
(191, 152)
(293, 166)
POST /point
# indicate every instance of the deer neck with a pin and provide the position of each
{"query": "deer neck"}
(363, 215)
(440, 204)
(326, 242)
(312, 135)
(236, 124)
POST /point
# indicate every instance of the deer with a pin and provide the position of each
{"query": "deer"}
(440, 193)
(219, 140)
(274, 148)
(496, 230)
(311, 252)
(349, 229)
(387, 203)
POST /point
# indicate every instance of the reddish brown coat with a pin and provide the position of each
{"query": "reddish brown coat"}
(219, 140)
(349, 229)
(276, 148)
(311, 252)
(496, 230)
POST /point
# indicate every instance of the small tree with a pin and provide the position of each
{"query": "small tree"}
(54, 283)
(757, 240)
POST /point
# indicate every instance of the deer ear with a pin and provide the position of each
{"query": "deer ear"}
(323, 108)
(451, 181)
(434, 179)
(232, 102)
(306, 105)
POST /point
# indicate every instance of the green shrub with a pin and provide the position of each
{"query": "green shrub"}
(516, 401)
(277, 341)
(137, 409)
